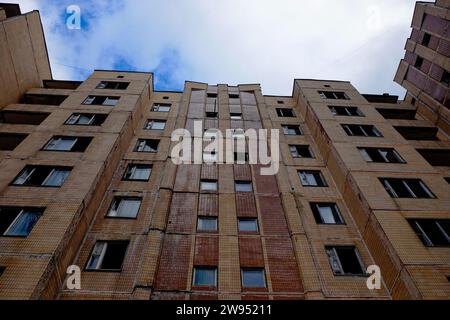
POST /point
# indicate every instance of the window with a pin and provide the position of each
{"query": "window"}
(2, 270)
(243, 186)
(155, 124)
(233, 96)
(235, 116)
(346, 111)
(333, 95)
(213, 95)
(18, 222)
(345, 261)
(326, 213)
(161, 107)
(138, 172)
(42, 176)
(381, 155)
(291, 130)
(124, 208)
(107, 256)
(426, 39)
(285, 113)
(101, 100)
(298, 151)
(211, 115)
(248, 225)
(86, 119)
(208, 185)
(418, 133)
(419, 62)
(23, 117)
(406, 188)
(311, 178)
(448, 180)
(44, 99)
(280, 102)
(360, 130)
(113, 85)
(432, 232)
(207, 224)
(69, 144)
(253, 278)
(205, 277)
(147, 145)
(436, 157)
(445, 79)
(401, 114)
(10, 141)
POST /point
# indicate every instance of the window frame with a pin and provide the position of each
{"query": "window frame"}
(322, 183)
(336, 255)
(216, 220)
(297, 156)
(107, 242)
(33, 169)
(424, 237)
(394, 193)
(368, 158)
(149, 166)
(38, 211)
(247, 219)
(204, 268)
(337, 215)
(151, 122)
(144, 141)
(118, 200)
(262, 270)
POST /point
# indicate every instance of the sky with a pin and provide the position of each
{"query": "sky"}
(270, 42)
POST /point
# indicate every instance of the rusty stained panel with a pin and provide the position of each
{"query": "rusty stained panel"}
(174, 262)
(182, 212)
(245, 205)
(242, 172)
(206, 251)
(250, 252)
(210, 171)
(264, 184)
(187, 178)
(284, 273)
(208, 205)
(250, 113)
(272, 215)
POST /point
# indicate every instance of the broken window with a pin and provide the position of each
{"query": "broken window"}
(418, 133)
(406, 188)
(381, 155)
(346, 111)
(432, 232)
(426, 39)
(207, 224)
(243, 186)
(301, 151)
(138, 172)
(23, 117)
(291, 130)
(360, 130)
(115, 85)
(208, 185)
(42, 176)
(101, 100)
(285, 112)
(161, 107)
(253, 278)
(419, 62)
(345, 261)
(124, 207)
(445, 79)
(147, 145)
(311, 178)
(10, 141)
(336, 95)
(401, 114)
(248, 225)
(326, 213)
(205, 277)
(107, 256)
(436, 157)
(153, 124)
(86, 119)
(18, 222)
(69, 144)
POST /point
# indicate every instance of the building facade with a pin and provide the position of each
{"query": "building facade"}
(87, 179)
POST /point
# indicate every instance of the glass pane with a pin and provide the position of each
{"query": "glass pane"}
(248, 225)
(158, 125)
(24, 175)
(56, 178)
(205, 277)
(327, 214)
(110, 101)
(209, 185)
(141, 173)
(308, 179)
(244, 187)
(61, 144)
(94, 261)
(253, 279)
(128, 208)
(24, 223)
(207, 224)
(83, 119)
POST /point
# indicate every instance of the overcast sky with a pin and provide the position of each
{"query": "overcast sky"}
(270, 42)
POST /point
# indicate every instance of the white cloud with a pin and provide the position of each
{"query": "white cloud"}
(234, 41)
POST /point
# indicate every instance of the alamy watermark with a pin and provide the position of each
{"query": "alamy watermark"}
(73, 17)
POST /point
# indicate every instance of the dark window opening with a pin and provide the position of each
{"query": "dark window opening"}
(44, 99)
(310, 178)
(114, 85)
(23, 117)
(61, 84)
(346, 111)
(447, 179)
(212, 95)
(147, 145)
(280, 102)
(432, 232)
(335, 95)
(359, 130)
(398, 114)
(2, 270)
(326, 213)
(235, 116)
(165, 98)
(285, 113)
(418, 133)
(107, 256)
(18, 222)
(211, 115)
(406, 188)
(445, 79)
(436, 157)
(380, 155)
(86, 119)
(345, 261)
(10, 141)
(101, 100)
(419, 62)
(301, 151)
(426, 39)
(45, 176)
(68, 144)
(233, 96)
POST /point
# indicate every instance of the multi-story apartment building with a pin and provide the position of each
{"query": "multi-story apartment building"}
(87, 179)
